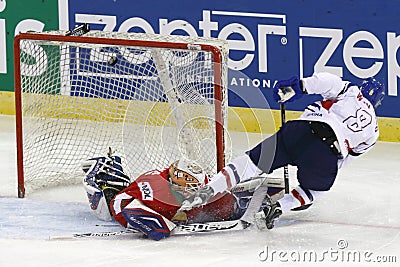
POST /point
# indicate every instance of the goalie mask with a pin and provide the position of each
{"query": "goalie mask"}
(187, 175)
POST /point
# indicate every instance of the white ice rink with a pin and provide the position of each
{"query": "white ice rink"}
(356, 224)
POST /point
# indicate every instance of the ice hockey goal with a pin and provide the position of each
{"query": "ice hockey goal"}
(152, 98)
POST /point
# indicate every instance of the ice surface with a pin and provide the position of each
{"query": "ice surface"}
(356, 223)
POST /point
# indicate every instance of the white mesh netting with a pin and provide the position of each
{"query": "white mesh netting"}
(150, 103)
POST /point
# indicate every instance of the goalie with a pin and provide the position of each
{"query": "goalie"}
(152, 203)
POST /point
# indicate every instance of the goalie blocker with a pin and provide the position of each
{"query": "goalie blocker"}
(104, 179)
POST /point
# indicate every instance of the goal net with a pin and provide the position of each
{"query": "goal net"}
(152, 98)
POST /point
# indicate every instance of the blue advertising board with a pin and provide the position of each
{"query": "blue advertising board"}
(269, 40)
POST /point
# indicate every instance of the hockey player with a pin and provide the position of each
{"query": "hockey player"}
(151, 203)
(326, 136)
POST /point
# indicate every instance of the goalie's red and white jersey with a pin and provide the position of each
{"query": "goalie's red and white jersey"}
(350, 115)
(155, 191)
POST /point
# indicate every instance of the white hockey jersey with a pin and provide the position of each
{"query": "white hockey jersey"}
(350, 115)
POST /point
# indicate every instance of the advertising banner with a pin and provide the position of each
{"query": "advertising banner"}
(269, 40)
(21, 16)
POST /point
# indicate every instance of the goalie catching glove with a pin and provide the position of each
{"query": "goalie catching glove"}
(104, 178)
(198, 199)
(288, 90)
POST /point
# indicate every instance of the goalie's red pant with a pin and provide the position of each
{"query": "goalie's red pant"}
(155, 191)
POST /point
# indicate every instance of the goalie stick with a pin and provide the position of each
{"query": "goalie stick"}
(191, 228)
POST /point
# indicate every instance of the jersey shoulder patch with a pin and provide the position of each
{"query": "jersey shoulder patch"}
(146, 190)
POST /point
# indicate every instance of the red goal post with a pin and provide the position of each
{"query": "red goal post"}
(151, 98)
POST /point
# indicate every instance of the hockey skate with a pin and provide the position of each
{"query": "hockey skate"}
(272, 212)
(267, 216)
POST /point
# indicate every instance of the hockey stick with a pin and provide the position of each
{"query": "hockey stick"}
(260, 186)
(285, 168)
(192, 228)
(95, 235)
(255, 203)
(79, 30)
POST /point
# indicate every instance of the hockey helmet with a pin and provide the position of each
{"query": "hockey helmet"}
(373, 90)
(188, 175)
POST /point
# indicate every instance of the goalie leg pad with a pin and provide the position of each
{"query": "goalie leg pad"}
(97, 201)
(149, 222)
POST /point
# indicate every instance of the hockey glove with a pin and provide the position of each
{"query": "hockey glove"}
(198, 199)
(288, 90)
(104, 178)
(106, 171)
